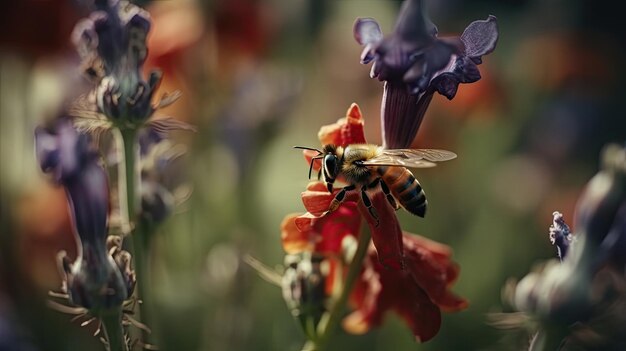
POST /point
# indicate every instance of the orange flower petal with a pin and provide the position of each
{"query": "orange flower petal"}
(345, 131)
(294, 240)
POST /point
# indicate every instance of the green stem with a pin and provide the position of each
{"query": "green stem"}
(129, 179)
(129, 196)
(113, 332)
(140, 245)
(327, 326)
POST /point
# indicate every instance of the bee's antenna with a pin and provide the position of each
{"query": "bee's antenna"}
(311, 166)
(308, 148)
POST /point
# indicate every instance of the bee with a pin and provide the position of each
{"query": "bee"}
(367, 165)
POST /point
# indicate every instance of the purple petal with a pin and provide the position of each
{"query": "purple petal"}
(413, 24)
(67, 155)
(367, 31)
(46, 149)
(108, 39)
(467, 70)
(61, 151)
(560, 235)
(464, 70)
(446, 85)
(137, 28)
(480, 37)
(367, 55)
(84, 37)
(89, 200)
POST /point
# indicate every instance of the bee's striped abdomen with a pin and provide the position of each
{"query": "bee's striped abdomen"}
(405, 188)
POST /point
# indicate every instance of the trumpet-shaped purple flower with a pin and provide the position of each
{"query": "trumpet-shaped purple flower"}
(93, 280)
(414, 64)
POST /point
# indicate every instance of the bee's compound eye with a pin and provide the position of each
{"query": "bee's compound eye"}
(330, 164)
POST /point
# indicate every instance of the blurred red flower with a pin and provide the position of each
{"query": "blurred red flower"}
(405, 273)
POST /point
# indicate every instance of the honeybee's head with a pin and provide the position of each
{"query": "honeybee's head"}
(331, 164)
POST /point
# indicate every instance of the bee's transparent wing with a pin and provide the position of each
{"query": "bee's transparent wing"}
(412, 158)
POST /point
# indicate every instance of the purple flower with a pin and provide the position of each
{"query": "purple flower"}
(560, 234)
(598, 207)
(163, 185)
(571, 291)
(113, 38)
(414, 64)
(93, 280)
(112, 45)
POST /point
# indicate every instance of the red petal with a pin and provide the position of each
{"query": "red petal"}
(433, 271)
(316, 198)
(379, 290)
(422, 316)
(304, 222)
(293, 239)
(335, 226)
(386, 234)
(366, 297)
(345, 131)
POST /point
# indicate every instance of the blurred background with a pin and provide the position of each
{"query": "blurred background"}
(261, 76)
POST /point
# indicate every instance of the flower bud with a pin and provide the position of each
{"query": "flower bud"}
(304, 287)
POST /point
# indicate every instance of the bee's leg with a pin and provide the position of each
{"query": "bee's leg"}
(368, 203)
(341, 195)
(387, 193)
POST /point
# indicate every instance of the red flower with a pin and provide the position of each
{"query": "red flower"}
(387, 233)
(417, 293)
(411, 274)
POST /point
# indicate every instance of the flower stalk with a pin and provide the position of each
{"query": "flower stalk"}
(129, 194)
(127, 177)
(113, 331)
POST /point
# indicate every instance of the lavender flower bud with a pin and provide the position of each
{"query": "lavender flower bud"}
(116, 35)
(304, 287)
(94, 280)
(604, 195)
(571, 291)
(161, 179)
(112, 45)
(560, 235)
